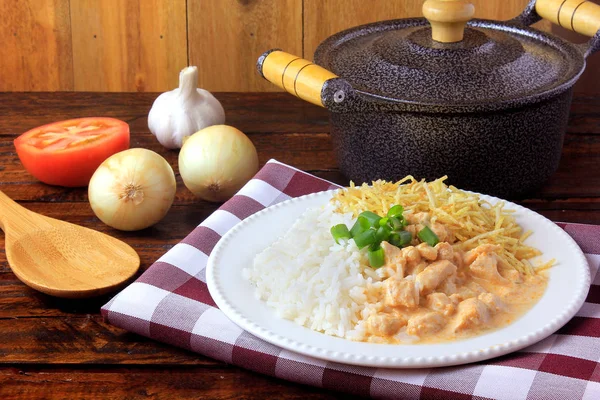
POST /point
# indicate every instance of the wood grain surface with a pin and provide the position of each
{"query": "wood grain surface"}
(141, 45)
(322, 18)
(227, 36)
(56, 348)
(128, 45)
(35, 51)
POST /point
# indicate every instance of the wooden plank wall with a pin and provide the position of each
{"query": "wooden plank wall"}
(141, 45)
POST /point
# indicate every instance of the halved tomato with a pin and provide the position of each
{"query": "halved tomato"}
(67, 153)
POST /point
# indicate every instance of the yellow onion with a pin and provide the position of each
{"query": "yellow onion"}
(132, 190)
(216, 162)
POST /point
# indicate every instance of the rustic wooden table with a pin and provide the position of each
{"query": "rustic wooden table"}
(53, 348)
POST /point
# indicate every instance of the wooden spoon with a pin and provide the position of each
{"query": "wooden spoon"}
(63, 259)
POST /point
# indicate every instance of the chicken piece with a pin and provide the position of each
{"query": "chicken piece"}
(485, 267)
(441, 303)
(435, 274)
(424, 324)
(419, 218)
(445, 251)
(455, 298)
(442, 232)
(512, 275)
(493, 302)
(470, 314)
(411, 255)
(471, 255)
(422, 219)
(458, 260)
(462, 277)
(427, 252)
(413, 259)
(385, 324)
(420, 267)
(400, 292)
(448, 286)
(394, 259)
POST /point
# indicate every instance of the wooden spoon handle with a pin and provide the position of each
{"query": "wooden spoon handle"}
(9, 210)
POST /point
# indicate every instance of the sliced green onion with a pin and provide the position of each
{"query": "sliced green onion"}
(405, 238)
(395, 211)
(365, 239)
(397, 223)
(383, 233)
(371, 217)
(376, 256)
(384, 221)
(400, 239)
(395, 239)
(340, 231)
(426, 235)
(360, 226)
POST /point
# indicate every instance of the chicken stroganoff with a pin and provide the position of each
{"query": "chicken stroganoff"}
(405, 262)
(438, 293)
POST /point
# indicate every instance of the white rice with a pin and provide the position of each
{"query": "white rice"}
(308, 278)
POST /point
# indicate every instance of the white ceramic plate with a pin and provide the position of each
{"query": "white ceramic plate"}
(567, 288)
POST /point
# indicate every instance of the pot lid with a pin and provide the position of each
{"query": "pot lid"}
(492, 62)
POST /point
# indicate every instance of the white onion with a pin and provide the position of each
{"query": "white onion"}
(132, 190)
(217, 161)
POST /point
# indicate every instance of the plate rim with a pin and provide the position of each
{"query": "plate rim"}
(397, 362)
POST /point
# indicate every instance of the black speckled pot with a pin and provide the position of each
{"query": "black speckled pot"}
(490, 111)
(501, 153)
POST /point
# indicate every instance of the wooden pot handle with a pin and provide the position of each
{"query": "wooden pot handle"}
(297, 76)
(581, 16)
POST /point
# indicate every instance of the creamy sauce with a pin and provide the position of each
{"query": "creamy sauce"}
(438, 294)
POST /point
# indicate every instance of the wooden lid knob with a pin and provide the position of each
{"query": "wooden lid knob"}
(448, 18)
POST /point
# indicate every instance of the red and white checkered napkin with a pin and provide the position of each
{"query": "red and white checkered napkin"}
(170, 303)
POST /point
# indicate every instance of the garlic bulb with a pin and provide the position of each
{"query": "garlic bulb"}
(183, 111)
